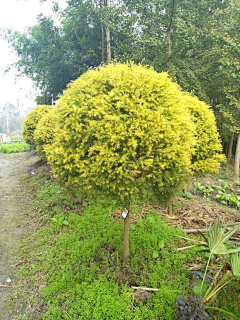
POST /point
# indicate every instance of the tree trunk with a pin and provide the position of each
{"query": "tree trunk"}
(170, 13)
(237, 153)
(108, 38)
(169, 44)
(103, 39)
(126, 239)
(126, 233)
(170, 209)
(237, 157)
(109, 57)
(103, 47)
(229, 154)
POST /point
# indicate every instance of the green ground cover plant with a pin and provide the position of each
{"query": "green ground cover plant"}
(14, 147)
(76, 259)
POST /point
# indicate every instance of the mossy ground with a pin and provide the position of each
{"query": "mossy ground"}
(74, 260)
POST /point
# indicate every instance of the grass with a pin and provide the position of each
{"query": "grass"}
(14, 147)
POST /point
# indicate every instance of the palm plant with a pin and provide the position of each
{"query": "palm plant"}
(216, 242)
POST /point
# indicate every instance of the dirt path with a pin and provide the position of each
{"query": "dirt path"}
(12, 227)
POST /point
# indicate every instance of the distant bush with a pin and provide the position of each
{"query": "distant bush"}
(31, 122)
(44, 132)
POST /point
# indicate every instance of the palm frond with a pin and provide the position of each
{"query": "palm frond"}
(217, 240)
(235, 264)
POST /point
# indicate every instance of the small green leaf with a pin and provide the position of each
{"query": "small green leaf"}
(150, 219)
(161, 244)
(65, 222)
(155, 254)
(197, 288)
(132, 227)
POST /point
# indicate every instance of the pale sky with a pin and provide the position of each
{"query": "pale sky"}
(18, 15)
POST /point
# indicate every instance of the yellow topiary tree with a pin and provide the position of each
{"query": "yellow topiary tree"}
(125, 130)
(45, 131)
(31, 120)
(207, 156)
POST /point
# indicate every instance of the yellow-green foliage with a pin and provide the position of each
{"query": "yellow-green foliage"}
(119, 133)
(127, 130)
(31, 122)
(206, 156)
(44, 132)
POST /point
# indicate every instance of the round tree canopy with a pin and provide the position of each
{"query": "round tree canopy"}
(125, 130)
(31, 121)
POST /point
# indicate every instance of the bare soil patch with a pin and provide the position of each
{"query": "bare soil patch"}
(12, 222)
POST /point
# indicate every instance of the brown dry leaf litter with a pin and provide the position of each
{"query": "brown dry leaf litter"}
(189, 214)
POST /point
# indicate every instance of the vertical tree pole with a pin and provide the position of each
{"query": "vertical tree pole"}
(237, 153)
(170, 209)
(126, 231)
(237, 157)
(108, 38)
(229, 154)
(102, 32)
(103, 54)
(169, 43)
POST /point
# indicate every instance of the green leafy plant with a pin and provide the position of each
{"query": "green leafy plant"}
(219, 188)
(207, 191)
(216, 242)
(222, 196)
(198, 186)
(185, 194)
(232, 199)
(224, 184)
(14, 147)
(237, 182)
